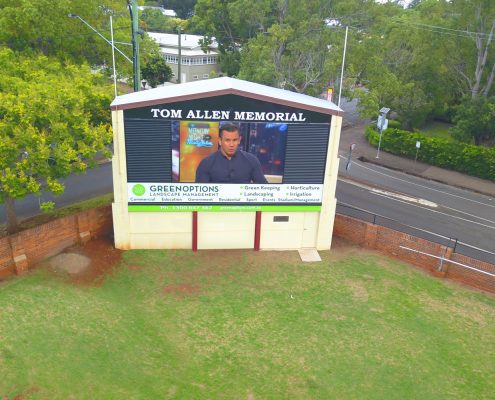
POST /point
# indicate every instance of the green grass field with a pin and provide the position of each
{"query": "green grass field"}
(246, 325)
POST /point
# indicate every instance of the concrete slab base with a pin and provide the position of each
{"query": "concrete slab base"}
(309, 255)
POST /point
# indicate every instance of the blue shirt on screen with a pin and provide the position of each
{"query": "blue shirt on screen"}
(243, 167)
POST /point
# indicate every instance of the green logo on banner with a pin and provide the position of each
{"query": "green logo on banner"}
(138, 190)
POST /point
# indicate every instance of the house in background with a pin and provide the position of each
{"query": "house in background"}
(196, 64)
(167, 13)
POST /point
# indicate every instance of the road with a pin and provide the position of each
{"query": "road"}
(451, 212)
(409, 201)
(95, 182)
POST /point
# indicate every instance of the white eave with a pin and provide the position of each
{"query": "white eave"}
(223, 86)
(187, 52)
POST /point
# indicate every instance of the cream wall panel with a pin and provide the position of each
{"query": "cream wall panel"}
(225, 221)
(296, 221)
(226, 240)
(310, 231)
(281, 235)
(280, 240)
(120, 227)
(327, 214)
(154, 222)
(161, 241)
(226, 230)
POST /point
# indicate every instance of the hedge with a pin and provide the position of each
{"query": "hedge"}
(467, 158)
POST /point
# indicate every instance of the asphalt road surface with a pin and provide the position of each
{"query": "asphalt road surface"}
(450, 214)
(400, 201)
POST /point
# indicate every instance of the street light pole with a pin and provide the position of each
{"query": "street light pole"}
(113, 58)
(343, 64)
(135, 44)
(179, 59)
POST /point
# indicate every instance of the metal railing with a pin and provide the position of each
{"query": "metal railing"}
(456, 245)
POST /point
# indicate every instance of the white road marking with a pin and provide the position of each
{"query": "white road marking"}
(419, 185)
(412, 199)
(438, 212)
(405, 198)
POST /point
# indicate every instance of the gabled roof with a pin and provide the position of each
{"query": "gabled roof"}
(223, 86)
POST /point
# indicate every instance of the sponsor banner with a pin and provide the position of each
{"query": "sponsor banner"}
(224, 193)
(220, 208)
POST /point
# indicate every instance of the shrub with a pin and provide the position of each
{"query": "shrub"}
(467, 158)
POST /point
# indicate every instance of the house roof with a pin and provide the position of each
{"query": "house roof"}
(223, 86)
(171, 40)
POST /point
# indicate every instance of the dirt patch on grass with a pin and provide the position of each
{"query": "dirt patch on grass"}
(358, 290)
(181, 291)
(87, 264)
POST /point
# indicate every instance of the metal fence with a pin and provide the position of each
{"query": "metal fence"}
(456, 245)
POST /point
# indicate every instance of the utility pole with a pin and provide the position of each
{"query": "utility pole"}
(133, 10)
(179, 60)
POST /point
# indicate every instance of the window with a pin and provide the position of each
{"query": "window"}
(195, 77)
(171, 59)
(186, 61)
(206, 76)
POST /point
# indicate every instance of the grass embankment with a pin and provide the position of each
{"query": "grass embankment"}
(245, 325)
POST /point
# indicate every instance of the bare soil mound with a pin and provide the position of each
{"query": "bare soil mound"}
(87, 264)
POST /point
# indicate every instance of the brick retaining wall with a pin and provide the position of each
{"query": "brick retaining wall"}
(388, 241)
(24, 249)
(20, 251)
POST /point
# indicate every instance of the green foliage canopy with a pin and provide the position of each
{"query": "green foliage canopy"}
(54, 120)
(467, 158)
(156, 70)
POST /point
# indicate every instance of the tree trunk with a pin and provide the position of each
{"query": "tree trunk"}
(12, 225)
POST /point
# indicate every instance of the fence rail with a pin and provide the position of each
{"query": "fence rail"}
(456, 245)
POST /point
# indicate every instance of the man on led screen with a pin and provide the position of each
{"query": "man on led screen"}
(229, 164)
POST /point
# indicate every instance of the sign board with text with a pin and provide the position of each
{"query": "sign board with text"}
(165, 143)
(224, 164)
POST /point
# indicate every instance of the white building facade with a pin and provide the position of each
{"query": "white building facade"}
(195, 63)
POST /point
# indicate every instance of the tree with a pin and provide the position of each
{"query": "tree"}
(474, 58)
(401, 61)
(232, 23)
(183, 8)
(44, 25)
(475, 120)
(156, 71)
(54, 119)
(154, 21)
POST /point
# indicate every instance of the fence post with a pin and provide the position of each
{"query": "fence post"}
(370, 236)
(21, 263)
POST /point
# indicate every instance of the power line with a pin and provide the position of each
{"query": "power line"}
(441, 30)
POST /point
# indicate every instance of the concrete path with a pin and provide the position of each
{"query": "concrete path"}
(366, 152)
